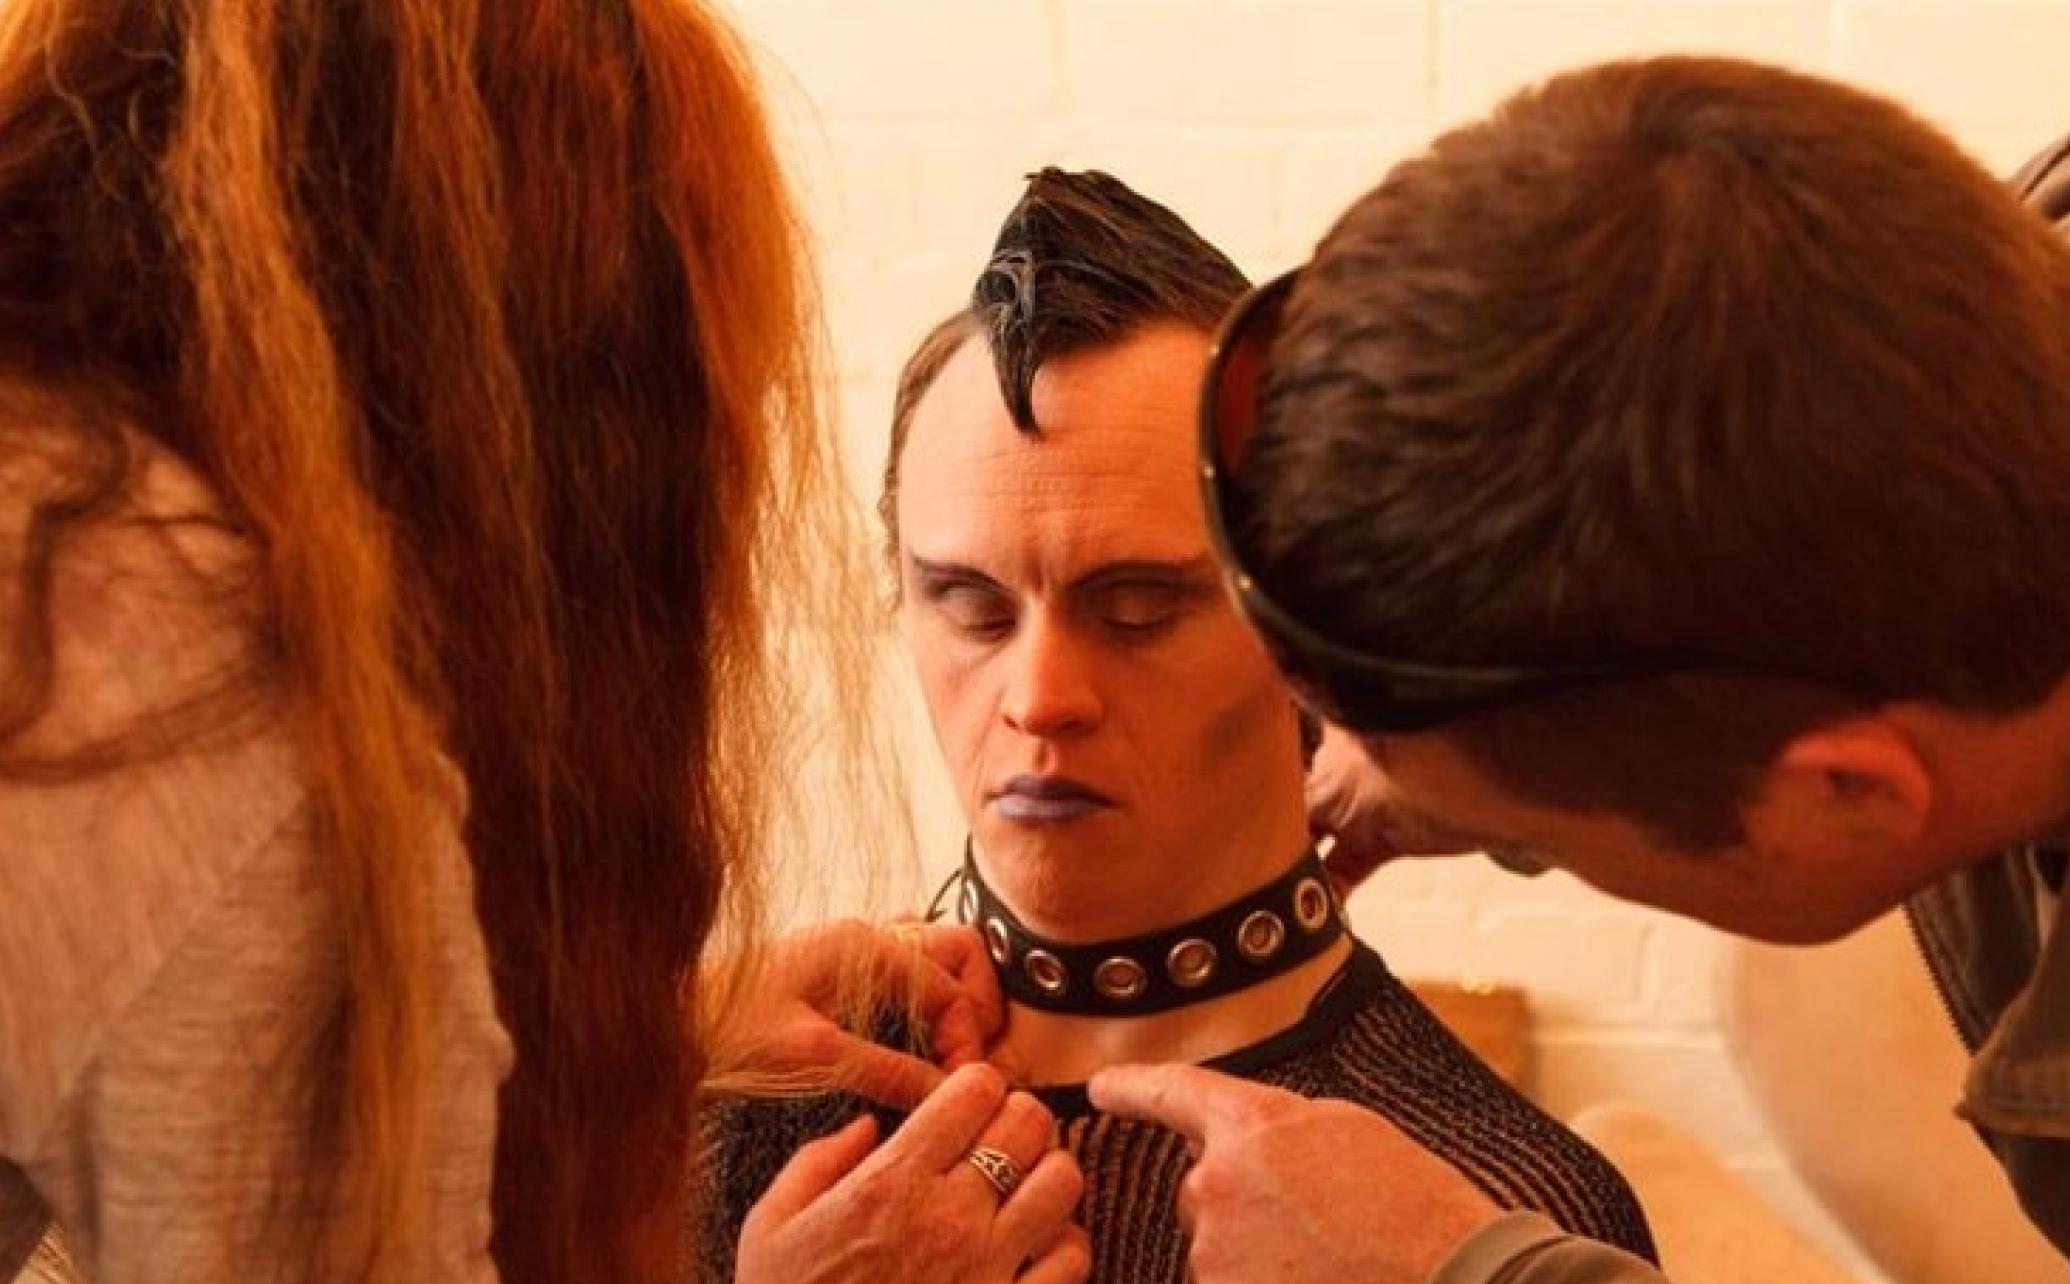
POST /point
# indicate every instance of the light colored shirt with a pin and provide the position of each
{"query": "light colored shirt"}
(170, 964)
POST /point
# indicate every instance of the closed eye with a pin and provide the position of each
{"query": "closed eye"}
(972, 605)
(1139, 610)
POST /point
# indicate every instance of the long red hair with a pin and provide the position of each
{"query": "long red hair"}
(487, 319)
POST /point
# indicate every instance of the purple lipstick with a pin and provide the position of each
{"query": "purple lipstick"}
(1048, 800)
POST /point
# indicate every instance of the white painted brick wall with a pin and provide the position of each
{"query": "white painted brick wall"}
(910, 122)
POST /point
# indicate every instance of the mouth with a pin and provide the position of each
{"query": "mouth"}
(1047, 800)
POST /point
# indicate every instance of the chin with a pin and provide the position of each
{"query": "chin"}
(1081, 839)
(1065, 879)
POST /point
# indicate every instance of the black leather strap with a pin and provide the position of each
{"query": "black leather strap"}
(1266, 934)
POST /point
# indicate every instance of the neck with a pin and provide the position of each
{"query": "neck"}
(1049, 1048)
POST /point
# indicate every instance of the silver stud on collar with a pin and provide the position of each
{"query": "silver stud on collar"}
(1046, 971)
(1120, 979)
(1260, 936)
(1191, 963)
(1311, 905)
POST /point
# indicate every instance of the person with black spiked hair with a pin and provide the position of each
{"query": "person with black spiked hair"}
(1128, 761)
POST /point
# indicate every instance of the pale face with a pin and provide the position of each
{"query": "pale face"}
(1815, 865)
(1124, 751)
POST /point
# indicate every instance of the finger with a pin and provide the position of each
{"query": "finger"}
(1195, 1103)
(1351, 799)
(957, 992)
(976, 1010)
(1186, 1204)
(1023, 1130)
(1067, 1261)
(886, 1075)
(1069, 1232)
(1341, 782)
(810, 963)
(816, 1168)
(943, 974)
(949, 1122)
(814, 966)
(1040, 1210)
(1350, 865)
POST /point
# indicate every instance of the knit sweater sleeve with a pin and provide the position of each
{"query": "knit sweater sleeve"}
(1525, 1248)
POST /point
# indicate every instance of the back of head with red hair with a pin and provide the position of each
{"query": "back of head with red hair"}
(486, 320)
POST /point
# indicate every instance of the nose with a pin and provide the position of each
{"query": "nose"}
(1049, 688)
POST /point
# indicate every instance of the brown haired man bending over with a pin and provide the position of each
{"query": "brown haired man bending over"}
(1669, 476)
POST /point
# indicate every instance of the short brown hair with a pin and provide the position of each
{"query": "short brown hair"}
(1082, 261)
(1688, 356)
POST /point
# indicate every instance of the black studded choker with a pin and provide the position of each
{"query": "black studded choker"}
(1267, 933)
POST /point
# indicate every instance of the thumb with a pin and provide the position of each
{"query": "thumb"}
(815, 1169)
(1195, 1103)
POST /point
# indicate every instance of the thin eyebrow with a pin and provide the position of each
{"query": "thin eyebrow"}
(949, 571)
(1190, 570)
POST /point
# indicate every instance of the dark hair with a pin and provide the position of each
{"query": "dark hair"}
(1684, 355)
(1082, 261)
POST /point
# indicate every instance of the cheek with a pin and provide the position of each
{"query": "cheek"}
(1255, 716)
(955, 690)
(1237, 709)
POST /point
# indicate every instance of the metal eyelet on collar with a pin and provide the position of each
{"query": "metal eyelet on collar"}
(1260, 935)
(1120, 979)
(1046, 971)
(1191, 963)
(1311, 904)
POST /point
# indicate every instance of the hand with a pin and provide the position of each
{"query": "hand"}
(969, 1013)
(1298, 1191)
(1351, 798)
(795, 1013)
(847, 1211)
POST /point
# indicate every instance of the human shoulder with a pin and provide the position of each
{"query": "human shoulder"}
(135, 778)
(180, 966)
(1390, 1054)
(127, 592)
(177, 1118)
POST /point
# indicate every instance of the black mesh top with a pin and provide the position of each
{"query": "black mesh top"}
(1365, 1039)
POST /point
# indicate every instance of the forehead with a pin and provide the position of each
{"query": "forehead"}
(1111, 471)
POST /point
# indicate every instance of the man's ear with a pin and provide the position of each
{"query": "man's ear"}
(1848, 782)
